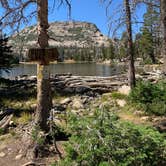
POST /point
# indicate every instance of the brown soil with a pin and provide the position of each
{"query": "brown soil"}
(13, 146)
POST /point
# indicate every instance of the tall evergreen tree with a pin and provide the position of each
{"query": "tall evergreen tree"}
(146, 45)
(6, 57)
(150, 32)
(163, 21)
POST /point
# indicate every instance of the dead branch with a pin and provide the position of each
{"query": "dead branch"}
(15, 13)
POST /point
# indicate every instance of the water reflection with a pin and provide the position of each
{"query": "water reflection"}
(82, 69)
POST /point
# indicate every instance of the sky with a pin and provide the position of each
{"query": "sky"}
(90, 11)
(83, 10)
(95, 12)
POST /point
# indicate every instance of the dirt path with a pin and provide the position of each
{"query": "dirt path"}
(12, 152)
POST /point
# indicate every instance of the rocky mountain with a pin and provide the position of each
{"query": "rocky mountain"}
(72, 34)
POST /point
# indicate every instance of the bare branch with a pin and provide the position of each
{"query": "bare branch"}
(14, 13)
(68, 3)
(155, 3)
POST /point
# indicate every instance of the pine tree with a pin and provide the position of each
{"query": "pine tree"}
(6, 57)
(150, 32)
(163, 22)
(146, 45)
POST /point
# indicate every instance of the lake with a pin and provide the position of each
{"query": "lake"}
(82, 69)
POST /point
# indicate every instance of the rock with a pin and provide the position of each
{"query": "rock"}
(18, 157)
(58, 108)
(85, 100)
(33, 106)
(161, 127)
(124, 90)
(145, 118)
(69, 90)
(2, 154)
(82, 89)
(107, 95)
(77, 104)
(104, 104)
(30, 164)
(121, 103)
(32, 77)
(139, 113)
(65, 101)
(11, 123)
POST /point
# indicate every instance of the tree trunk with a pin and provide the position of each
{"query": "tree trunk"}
(44, 101)
(163, 21)
(131, 74)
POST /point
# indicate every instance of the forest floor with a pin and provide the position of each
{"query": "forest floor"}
(14, 141)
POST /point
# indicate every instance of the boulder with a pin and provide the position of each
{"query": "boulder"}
(161, 126)
(69, 90)
(124, 89)
(77, 104)
(82, 89)
(65, 101)
(18, 157)
(121, 103)
(2, 154)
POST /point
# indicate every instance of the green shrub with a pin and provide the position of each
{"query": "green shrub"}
(38, 135)
(103, 140)
(151, 97)
(117, 95)
(2, 131)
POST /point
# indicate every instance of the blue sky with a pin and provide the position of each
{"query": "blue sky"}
(95, 12)
(90, 11)
(83, 10)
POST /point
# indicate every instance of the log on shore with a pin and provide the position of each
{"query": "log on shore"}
(81, 84)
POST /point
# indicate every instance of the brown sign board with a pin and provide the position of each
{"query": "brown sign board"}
(43, 55)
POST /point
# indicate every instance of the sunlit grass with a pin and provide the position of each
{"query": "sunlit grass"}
(24, 118)
(20, 105)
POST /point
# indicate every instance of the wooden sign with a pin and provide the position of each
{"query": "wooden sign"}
(43, 55)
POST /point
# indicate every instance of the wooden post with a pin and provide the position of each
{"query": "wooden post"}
(44, 101)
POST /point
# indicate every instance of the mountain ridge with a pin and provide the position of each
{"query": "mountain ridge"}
(62, 34)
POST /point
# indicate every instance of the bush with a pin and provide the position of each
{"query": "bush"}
(151, 97)
(102, 140)
(117, 95)
(2, 131)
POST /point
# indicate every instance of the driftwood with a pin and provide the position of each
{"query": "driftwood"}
(67, 83)
(5, 113)
(5, 118)
(5, 121)
(81, 84)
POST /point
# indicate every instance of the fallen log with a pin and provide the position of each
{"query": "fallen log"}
(6, 113)
(81, 84)
(5, 121)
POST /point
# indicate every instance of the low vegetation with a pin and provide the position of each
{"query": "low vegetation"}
(102, 139)
(149, 97)
(101, 136)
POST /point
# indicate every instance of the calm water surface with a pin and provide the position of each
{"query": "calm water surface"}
(82, 69)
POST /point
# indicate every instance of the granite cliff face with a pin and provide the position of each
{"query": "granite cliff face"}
(72, 34)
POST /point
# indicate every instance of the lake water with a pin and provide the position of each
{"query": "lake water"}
(82, 69)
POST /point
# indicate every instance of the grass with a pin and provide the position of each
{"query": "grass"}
(117, 95)
(24, 118)
(18, 104)
(2, 131)
(129, 113)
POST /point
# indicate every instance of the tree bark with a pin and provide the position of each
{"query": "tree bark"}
(163, 22)
(44, 101)
(131, 72)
